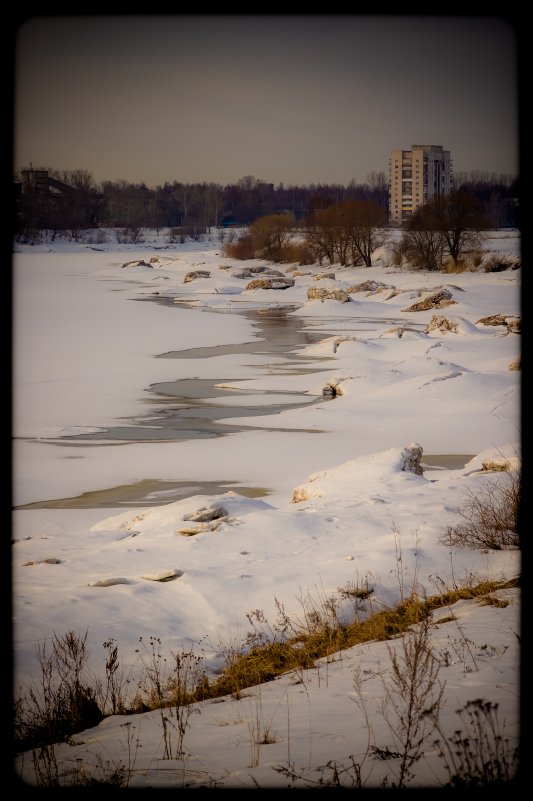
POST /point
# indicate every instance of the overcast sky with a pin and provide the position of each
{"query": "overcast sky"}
(296, 99)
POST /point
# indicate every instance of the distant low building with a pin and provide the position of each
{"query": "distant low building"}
(41, 182)
(415, 177)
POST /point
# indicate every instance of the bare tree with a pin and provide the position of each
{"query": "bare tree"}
(188, 194)
(458, 218)
(209, 199)
(365, 220)
(323, 235)
(216, 198)
(270, 234)
(422, 248)
(347, 232)
(377, 181)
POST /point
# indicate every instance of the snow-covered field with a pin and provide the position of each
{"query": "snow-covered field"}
(320, 496)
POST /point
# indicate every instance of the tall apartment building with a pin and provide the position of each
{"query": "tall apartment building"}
(416, 176)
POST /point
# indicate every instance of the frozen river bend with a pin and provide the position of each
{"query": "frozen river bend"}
(101, 379)
(142, 398)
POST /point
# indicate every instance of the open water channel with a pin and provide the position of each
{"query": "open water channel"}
(187, 408)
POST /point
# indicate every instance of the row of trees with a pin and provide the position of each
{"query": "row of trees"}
(72, 200)
(348, 233)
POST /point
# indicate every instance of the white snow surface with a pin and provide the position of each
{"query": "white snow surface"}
(318, 496)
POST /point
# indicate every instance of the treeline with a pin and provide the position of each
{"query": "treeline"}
(497, 194)
(443, 234)
(52, 200)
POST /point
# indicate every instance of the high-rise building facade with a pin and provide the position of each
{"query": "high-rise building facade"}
(415, 177)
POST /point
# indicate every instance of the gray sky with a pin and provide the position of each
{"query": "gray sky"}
(297, 99)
